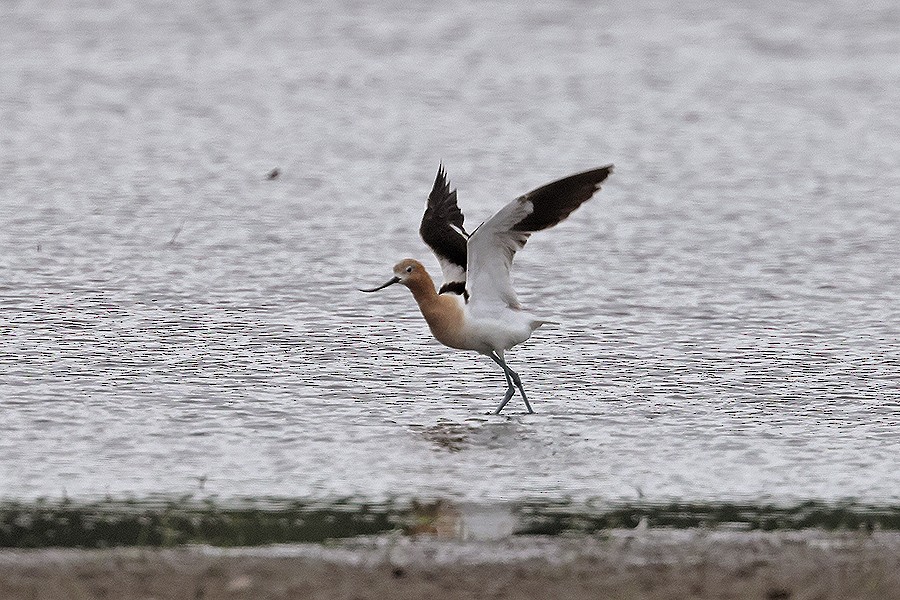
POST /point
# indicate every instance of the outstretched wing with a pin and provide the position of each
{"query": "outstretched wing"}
(493, 246)
(442, 229)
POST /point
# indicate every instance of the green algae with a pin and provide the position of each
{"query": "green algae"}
(111, 523)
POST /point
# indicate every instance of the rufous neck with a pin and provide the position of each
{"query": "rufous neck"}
(422, 288)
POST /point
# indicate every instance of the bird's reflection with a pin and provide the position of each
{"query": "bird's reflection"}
(454, 437)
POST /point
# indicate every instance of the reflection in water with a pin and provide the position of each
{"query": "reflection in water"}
(445, 435)
(485, 435)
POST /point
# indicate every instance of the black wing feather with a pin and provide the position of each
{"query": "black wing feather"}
(442, 212)
(556, 201)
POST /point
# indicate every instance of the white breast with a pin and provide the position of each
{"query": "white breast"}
(498, 329)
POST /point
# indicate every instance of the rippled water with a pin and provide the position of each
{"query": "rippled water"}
(172, 321)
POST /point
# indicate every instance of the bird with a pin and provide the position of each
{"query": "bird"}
(476, 307)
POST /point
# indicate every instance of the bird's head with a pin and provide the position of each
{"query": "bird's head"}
(407, 272)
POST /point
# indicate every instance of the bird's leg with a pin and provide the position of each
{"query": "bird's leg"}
(510, 389)
(511, 377)
(509, 394)
(509, 382)
(518, 382)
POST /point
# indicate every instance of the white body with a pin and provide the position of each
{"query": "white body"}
(498, 328)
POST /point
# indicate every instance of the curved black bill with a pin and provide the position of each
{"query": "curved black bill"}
(391, 281)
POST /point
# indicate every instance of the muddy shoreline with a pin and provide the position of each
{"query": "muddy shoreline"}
(649, 564)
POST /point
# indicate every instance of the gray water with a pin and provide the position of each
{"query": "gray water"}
(173, 322)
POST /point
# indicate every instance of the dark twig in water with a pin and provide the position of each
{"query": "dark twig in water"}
(175, 235)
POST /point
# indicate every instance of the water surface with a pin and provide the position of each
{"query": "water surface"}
(173, 322)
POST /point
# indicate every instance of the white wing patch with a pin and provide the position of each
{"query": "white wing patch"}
(490, 254)
(492, 247)
(451, 271)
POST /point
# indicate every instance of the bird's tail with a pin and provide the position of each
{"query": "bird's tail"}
(537, 323)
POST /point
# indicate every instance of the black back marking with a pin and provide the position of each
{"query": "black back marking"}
(455, 287)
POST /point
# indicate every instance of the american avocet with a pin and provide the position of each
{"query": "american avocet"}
(476, 307)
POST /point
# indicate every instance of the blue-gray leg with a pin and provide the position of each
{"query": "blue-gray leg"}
(511, 378)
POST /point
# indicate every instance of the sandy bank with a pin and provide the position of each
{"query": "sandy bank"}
(620, 564)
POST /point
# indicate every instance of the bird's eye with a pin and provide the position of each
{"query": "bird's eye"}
(409, 269)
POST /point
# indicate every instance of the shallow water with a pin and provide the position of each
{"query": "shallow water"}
(172, 322)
